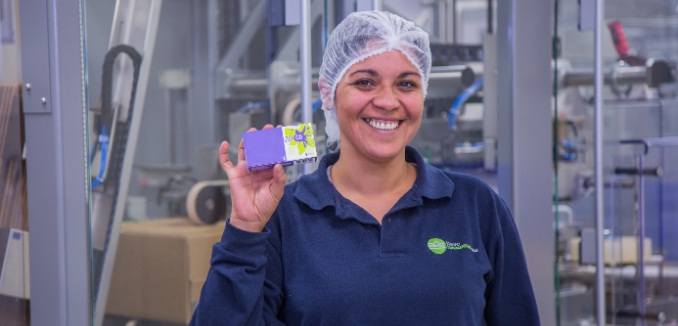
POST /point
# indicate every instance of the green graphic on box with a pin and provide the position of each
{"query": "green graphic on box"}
(299, 142)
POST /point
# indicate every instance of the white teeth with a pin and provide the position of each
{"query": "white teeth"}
(388, 125)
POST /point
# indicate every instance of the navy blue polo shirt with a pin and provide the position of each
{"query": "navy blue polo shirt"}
(447, 253)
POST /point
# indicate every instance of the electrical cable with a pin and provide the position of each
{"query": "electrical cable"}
(110, 179)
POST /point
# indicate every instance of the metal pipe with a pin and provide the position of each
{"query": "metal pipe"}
(640, 266)
(376, 4)
(169, 127)
(599, 187)
(618, 76)
(248, 84)
(454, 21)
(448, 77)
(659, 316)
(490, 18)
(305, 66)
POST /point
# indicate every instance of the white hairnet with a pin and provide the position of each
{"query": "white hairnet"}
(359, 36)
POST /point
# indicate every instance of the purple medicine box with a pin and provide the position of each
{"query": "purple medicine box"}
(285, 145)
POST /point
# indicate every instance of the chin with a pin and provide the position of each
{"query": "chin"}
(382, 152)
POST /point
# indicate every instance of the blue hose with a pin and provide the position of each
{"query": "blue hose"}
(461, 99)
(316, 105)
(103, 140)
(252, 106)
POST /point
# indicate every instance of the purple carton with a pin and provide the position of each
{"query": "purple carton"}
(285, 145)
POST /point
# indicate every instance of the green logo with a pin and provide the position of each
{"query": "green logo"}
(438, 246)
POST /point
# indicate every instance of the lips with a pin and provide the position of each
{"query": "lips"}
(386, 125)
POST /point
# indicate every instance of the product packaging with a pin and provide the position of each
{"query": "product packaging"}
(285, 145)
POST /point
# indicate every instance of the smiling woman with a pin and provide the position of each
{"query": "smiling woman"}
(361, 37)
(360, 240)
(379, 104)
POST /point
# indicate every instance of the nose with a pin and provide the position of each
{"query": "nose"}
(386, 98)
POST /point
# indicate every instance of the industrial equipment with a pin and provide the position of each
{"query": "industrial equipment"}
(116, 127)
(638, 147)
(164, 112)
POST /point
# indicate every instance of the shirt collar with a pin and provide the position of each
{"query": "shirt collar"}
(316, 190)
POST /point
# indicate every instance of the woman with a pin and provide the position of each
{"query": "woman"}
(375, 236)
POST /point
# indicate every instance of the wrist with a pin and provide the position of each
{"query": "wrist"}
(244, 225)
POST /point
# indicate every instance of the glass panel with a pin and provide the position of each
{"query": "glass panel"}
(639, 55)
(169, 80)
(14, 272)
(573, 154)
(459, 128)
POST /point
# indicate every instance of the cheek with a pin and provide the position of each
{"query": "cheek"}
(415, 106)
(348, 101)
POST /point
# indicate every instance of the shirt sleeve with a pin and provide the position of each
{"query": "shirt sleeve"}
(510, 297)
(237, 290)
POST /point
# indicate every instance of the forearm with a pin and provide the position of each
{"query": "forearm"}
(235, 287)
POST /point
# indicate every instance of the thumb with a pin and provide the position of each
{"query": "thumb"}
(279, 180)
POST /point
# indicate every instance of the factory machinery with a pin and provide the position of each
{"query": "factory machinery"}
(242, 91)
(248, 93)
(640, 147)
(229, 90)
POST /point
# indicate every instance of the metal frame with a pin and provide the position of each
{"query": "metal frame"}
(598, 145)
(56, 160)
(230, 61)
(7, 32)
(305, 65)
(58, 174)
(143, 38)
(525, 171)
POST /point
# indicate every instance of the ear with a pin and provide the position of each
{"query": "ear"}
(325, 93)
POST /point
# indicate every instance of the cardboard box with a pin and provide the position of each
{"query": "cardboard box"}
(283, 145)
(160, 268)
(620, 250)
(14, 264)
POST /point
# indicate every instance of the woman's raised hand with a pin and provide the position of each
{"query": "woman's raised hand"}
(254, 195)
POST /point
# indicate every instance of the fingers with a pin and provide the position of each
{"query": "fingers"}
(241, 150)
(277, 186)
(224, 160)
(279, 174)
(241, 147)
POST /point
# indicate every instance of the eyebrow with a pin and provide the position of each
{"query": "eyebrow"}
(408, 73)
(372, 72)
(365, 71)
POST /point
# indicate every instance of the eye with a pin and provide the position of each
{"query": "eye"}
(364, 83)
(407, 85)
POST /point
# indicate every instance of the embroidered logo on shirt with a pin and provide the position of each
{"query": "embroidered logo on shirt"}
(439, 246)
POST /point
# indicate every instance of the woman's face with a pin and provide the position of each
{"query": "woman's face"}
(379, 103)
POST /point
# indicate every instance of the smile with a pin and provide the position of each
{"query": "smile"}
(383, 125)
